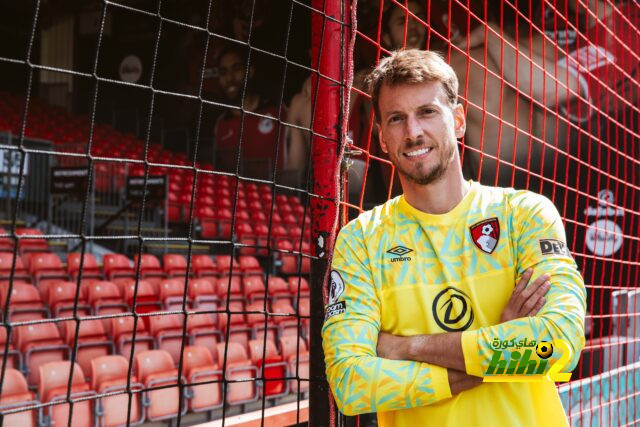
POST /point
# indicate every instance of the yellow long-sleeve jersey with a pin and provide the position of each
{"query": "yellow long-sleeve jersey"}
(399, 270)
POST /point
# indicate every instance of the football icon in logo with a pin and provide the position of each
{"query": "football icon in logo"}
(544, 349)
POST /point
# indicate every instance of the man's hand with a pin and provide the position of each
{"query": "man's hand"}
(526, 300)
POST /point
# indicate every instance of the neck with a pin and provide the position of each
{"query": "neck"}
(251, 103)
(440, 196)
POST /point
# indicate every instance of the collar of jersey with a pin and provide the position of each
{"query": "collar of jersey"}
(447, 218)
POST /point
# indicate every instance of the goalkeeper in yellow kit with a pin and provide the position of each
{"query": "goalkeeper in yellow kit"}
(422, 285)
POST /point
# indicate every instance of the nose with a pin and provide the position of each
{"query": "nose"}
(413, 130)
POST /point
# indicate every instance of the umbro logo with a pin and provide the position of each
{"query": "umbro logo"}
(400, 251)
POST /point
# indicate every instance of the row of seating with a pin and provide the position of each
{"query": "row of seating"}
(111, 397)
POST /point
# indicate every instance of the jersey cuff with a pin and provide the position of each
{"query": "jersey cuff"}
(440, 382)
(471, 353)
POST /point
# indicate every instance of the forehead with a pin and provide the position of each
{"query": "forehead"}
(414, 7)
(230, 58)
(407, 96)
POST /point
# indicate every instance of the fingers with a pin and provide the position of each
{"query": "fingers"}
(529, 290)
(533, 300)
(536, 307)
(526, 276)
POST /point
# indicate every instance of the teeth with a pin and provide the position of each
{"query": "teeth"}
(418, 152)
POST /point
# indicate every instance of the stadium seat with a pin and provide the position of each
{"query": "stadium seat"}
(198, 366)
(202, 294)
(145, 298)
(109, 374)
(298, 360)
(25, 303)
(15, 394)
(122, 333)
(278, 290)
(290, 263)
(240, 373)
(14, 358)
(227, 265)
(254, 288)
(104, 298)
(275, 369)
(250, 265)
(203, 331)
(239, 331)
(203, 266)
(229, 287)
(6, 243)
(167, 329)
(53, 387)
(150, 268)
(155, 369)
(6, 264)
(175, 265)
(298, 284)
(46, 266)
(172, 294)
(39, 344)
(90, 269)
(117, 265)
(62, 299)
(35, 241)
(255, 319)
(92, 341)
(285, 317)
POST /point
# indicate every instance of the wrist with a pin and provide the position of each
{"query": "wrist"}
(415, 348)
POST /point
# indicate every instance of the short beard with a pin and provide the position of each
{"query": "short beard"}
(426, 179)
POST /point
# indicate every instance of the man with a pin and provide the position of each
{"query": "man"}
(417, 295)
(253, 135)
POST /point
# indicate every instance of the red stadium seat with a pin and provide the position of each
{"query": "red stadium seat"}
(199, 367)
(298, 284)
(6, 264)
(254, 288)
(239, 331)
(109, 374)
(25, 303)
(275, 369)
(62, 299)
(156, 371)
(104, 298)
(150, 268)
(291, 262)
(256, 322)
(229, 287)
(117, 265)
(250, 265)
(46, 265)
(240, 373)
(227, 265)
(278, 290)
(122, 332)
(145, 298)
(286, 321)
(172, 293)
(203, 266)
(175, 265)
(14, 358)
(15, 394)
(294, 352)
(92, 341)
(90, 269)
(39, 344)
(167, 329)
(53, 387)
(6, 243)
(203, 331)
(31, 240)
(203, 295)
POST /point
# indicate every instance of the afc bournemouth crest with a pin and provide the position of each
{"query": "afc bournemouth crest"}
(485, 234)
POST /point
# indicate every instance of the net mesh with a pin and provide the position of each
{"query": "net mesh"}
(155, 200)
(550, 93)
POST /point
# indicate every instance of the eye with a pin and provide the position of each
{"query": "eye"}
(427, 111)
(394, 119)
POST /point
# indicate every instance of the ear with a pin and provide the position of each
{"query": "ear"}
(460, 120)
(383, 144)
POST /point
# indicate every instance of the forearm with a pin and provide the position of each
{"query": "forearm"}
(439, 349)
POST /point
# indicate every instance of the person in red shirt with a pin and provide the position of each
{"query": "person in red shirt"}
(250, 128)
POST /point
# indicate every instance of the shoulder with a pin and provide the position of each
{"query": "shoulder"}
(371, 223)
(528, 202)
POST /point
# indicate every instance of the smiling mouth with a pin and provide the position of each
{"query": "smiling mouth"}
(418, 153)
